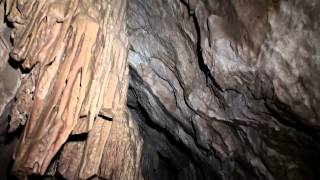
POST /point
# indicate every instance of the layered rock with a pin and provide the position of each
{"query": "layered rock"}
(232, 84)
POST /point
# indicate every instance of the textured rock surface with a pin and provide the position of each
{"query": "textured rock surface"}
(218, 89)
(234, 84)
(74, 55)
(9, 81)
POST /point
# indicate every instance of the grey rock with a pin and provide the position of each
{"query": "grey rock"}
(9, 80)
(233, 85)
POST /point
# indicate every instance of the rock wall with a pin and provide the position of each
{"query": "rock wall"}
(161, 89)
(234, 85)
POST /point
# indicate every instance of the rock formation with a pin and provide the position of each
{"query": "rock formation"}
(75, 52)
(161, 89)
(235, 84)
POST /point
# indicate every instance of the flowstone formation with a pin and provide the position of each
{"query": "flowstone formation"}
(74, 53)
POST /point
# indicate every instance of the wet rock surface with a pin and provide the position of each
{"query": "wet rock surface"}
(232, 85)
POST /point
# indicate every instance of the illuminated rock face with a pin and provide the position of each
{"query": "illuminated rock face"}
(217, 89)
(234, 84)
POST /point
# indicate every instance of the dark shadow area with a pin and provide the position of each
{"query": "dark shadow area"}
(78, 137)
(6, 154)
(164, 157)
(18, 65)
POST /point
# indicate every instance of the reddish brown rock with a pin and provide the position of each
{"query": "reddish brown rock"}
(76, 52)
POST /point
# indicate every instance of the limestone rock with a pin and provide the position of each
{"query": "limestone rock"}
(234, 85)
(76, 55)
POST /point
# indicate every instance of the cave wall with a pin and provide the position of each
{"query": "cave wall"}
(214, 89)
(234, 84)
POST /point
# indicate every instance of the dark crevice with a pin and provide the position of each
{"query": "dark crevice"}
(167, 167)
(18, 65)
(183, 150)
(107, 118)
(210, 80)
(190, 12)
(7, 148)
(135, 77)
(203, 67)
(16, 134)
(138, 106)
(282, 114)
(147, 120)
(78, 137)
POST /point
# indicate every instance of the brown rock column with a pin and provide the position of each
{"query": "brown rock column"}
(76, 51)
